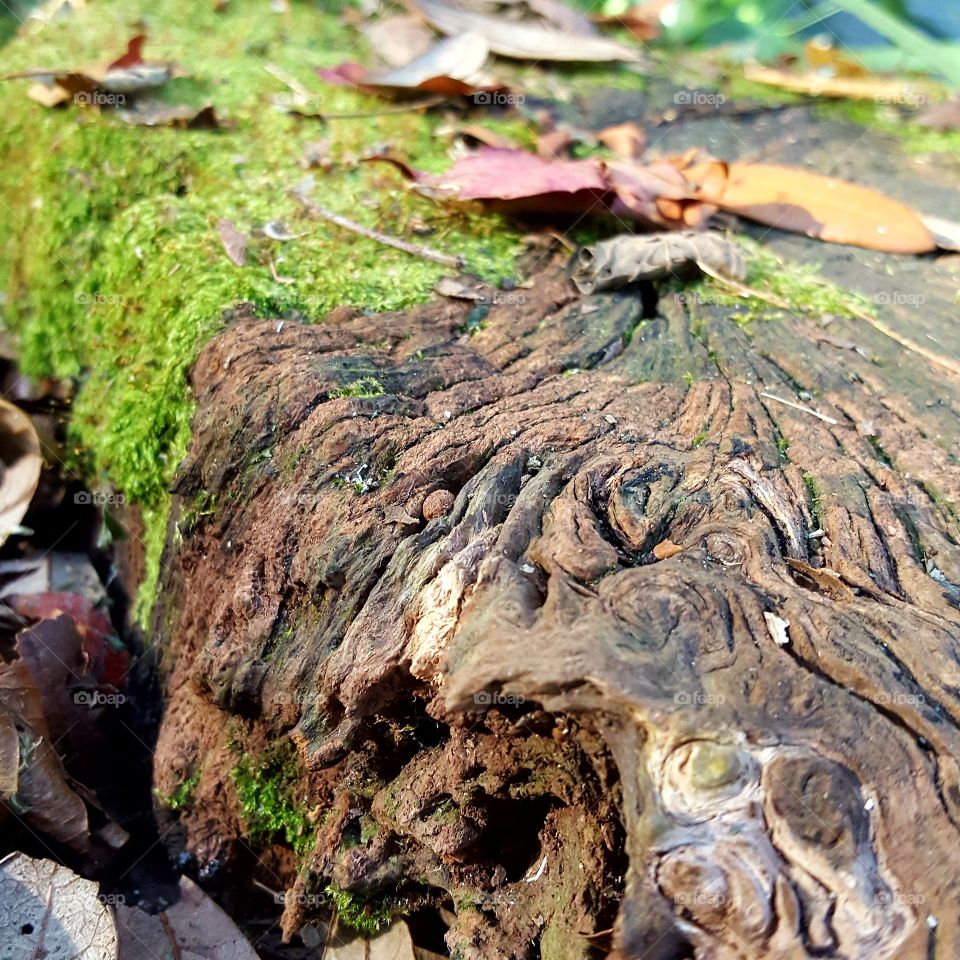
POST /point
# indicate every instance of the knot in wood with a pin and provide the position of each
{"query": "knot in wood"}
(438, 504)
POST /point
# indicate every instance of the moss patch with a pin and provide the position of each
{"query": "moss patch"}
(365, 915)
(268, 792)
(113, 271)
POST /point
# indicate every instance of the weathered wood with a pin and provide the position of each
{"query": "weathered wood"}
(745, 750)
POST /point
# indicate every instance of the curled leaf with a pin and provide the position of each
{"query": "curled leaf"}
(450, 67)
(522, 41)
(625, 259)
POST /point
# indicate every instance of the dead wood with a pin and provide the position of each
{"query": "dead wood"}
(505, 704)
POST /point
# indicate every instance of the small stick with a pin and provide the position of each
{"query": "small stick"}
(414, 249)
(388, 111)
(802, 408)
(742, 288)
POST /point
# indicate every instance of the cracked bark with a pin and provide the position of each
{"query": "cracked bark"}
(522, 678)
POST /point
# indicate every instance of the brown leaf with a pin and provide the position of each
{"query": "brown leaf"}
(21, 465)
(626, 140)
(450, 67)
(819, 206)
(43, 798)
(100, 84)
(234, 242)
(666, 549)
(474, 135)
(521, 41)
(817, 84)
(554, 144)
(395, 943)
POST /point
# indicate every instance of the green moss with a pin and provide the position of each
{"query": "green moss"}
(267, 791)
(365, 915)
(117, 276)
(883, 118)
(183, 796)
(814, 499)
(799, 285)
(364, 387)
(700, 439)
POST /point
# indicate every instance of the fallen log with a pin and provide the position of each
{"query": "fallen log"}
(445, 567)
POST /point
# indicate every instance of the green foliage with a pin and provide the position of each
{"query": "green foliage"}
(183, 796)
(267, 790)
(362, 914)
(364, 387)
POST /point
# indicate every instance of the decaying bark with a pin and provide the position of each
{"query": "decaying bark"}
(747, 749)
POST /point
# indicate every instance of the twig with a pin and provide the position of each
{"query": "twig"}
(945, 363)
(743, 289)
(388, 111)
(801, 408)
(414, 249)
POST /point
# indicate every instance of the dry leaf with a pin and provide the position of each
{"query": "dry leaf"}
(194, 928)
(394, 943)
(642, 19)
(666, 549)
(522, 41)
(398, 40)
(48, 911)
(942, 116)
(626, 140)
(98, 85)
(800, 201)
(554, 144)
(946, 233)
(21, 465)
(234, 242)
(614, 263)
(43, 797)
(521, 183)
(158, 114)
(450, 67)
(816, 84)
(474, 135)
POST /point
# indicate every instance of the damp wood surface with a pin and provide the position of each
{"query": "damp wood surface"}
(504, 706)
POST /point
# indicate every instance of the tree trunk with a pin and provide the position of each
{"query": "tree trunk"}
(442, 564)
